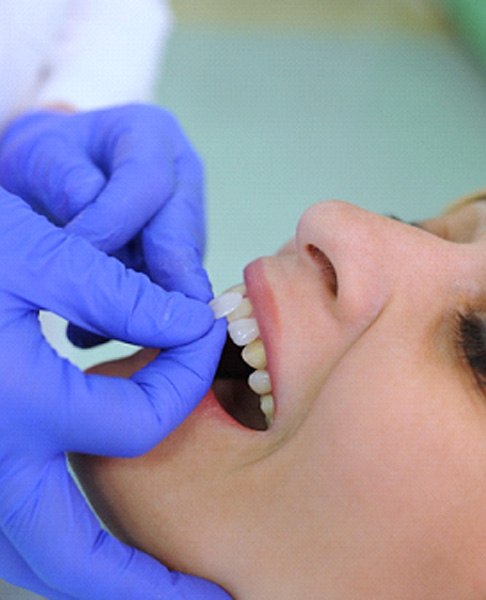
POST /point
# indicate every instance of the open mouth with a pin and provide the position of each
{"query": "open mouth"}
(242, 385)
(233, 392)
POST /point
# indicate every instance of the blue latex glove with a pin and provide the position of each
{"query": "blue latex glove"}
(50, 542)
(126, 179)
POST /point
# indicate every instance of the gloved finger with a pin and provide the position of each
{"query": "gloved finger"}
(174, 240)
(69, 183)
(94, 414)
(65, 546)
(16, 571)
(141, 178)
(48, 170)
(131, 256)
(66, 275)
(127, 417)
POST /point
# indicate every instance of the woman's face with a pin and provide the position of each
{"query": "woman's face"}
(371, 481)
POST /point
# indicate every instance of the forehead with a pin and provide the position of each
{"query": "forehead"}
(463, 222)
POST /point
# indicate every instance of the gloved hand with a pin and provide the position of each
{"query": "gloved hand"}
(126, 179)
(50, 542)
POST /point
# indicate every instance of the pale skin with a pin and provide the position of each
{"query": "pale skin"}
(371, 483)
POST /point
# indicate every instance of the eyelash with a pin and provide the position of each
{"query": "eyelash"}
(471, 334)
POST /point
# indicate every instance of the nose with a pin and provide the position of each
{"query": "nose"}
(356, 243)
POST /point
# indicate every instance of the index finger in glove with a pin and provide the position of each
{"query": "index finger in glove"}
(140, 160)
(44, 268)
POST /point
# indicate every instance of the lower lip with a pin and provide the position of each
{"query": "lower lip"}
(210, 408)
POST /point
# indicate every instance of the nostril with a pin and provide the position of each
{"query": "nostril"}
(326, 267)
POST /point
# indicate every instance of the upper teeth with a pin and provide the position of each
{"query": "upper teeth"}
(259, 381)
(254, 354)
(242, 311)
(225, 304)
(243, 330)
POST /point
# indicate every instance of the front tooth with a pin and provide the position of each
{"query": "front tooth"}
(242, 311)
(243, 331)
(267, 406)
(259, 381)
(225, 304)
(254, 354)
(240, 288)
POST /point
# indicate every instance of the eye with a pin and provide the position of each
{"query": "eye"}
(471, 333)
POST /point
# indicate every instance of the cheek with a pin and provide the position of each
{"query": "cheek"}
(400, 449)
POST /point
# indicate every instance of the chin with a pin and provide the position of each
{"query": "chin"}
(163, 502)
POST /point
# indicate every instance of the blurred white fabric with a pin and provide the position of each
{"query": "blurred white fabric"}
(89, 53)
